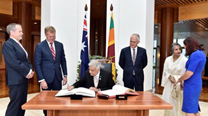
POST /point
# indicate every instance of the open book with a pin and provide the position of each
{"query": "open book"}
(76, 91)
(118, 90)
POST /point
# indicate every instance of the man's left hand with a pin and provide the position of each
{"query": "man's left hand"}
(94, 89)
(64, 80)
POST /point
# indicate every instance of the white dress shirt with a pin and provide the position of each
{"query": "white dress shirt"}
(97, 78)
(132, 52)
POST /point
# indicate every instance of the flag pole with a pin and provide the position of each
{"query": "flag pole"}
(111, 8)
(111, 45)
(86, 8)
(84, 49)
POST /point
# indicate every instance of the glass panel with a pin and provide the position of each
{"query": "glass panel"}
(174, 40)
(180, 41)
(183, 52)
(155, 43)
(154, 57)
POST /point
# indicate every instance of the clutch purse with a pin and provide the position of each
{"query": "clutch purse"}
(103, 96)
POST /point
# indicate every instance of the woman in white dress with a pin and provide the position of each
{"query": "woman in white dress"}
(174, 67)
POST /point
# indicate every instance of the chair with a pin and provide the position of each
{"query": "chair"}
(107, 67)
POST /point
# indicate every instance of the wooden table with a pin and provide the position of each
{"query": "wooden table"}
(64, 106)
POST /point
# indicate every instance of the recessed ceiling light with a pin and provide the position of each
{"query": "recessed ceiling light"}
(35, 23)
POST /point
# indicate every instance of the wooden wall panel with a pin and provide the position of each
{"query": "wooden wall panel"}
(6, 7)
(157, 17)
(193, 12)
(37, 13)
(2, 40)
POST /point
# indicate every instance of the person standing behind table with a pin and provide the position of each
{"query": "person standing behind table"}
(174, 67)
(133, 60)
(192, 77)
(95, 78)
(50, 62)
(18, 70)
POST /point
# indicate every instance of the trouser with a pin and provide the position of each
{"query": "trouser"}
(134, 84)
(54, 85)
(18, 97)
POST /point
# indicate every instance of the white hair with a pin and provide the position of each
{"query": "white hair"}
(95, 63)
(11, 26)
(138, 37)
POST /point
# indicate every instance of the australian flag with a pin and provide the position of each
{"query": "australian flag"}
(84, 51)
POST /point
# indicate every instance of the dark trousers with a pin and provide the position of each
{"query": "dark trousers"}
(55, 85)
(18, 96)
(134, 84)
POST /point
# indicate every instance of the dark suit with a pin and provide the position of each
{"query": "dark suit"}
(46, 67)
(105, 81)
(126, 64)
(17, 68)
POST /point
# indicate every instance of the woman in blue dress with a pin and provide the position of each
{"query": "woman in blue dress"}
(192, 77)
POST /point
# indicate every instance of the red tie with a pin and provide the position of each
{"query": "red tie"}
(52, 51)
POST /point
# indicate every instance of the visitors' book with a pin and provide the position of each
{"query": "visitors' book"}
(118, 90)
(76, 91)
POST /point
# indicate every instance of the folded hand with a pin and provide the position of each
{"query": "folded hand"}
(30, 75)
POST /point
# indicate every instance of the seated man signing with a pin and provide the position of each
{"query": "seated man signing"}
(95, 79)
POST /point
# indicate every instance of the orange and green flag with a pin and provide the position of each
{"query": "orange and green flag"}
(111, 48)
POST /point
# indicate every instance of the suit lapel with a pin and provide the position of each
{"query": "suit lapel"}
(130, 56)
(99, 79)
(137, 55)
(56, 49)
(48, 50)
(18, 47)
(92, 81)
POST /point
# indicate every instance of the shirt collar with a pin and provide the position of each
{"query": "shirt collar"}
(49, 42)
(15, 40)
(98, 74)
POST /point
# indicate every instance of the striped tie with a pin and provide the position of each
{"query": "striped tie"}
(134, 58)
(52, 51)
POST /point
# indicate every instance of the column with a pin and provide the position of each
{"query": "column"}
(167, 26)
(24, 18)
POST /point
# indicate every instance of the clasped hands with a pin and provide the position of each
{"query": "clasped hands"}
(172, 80)
(29, 76)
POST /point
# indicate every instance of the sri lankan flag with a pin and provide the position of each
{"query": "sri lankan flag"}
(111, 48)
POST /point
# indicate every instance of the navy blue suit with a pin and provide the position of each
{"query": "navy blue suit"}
(105, 80)
(17, 68)
(126, 64)
(46, 67)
